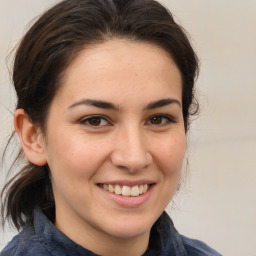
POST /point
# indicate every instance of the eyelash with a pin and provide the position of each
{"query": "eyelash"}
(162, 116)
(85, 121)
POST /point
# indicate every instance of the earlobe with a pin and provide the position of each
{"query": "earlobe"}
(30, 138)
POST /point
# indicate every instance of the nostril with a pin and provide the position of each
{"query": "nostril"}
(131, 162)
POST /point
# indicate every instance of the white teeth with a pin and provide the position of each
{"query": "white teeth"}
(126, 190)
(118, 190)
(135, 191)
(141, 189)
(111, 188)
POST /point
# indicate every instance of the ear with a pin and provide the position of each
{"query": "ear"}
(30, 137)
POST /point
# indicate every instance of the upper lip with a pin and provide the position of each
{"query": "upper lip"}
(128, 182)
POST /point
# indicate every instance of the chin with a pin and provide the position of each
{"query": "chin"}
(131, 227)
(131, 232)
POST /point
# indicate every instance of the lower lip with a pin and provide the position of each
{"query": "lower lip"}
(129, 201)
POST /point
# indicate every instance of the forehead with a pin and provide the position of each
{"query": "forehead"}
(119, 69)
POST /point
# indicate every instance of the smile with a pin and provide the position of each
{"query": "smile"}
(126, 190)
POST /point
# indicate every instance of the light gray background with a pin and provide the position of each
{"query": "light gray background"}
(218, 204)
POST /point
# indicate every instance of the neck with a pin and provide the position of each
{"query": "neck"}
(101, 243)
(118, 246)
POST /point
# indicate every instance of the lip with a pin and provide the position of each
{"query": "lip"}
(128, 201)
(128, 182)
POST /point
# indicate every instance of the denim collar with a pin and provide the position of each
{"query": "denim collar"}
(164, 238)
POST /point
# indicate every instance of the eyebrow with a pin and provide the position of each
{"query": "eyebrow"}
(161, 103)
(95, 103)
(109, 105)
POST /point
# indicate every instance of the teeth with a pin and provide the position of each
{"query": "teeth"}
(118, 190)
(126, 190)
(141, 189)
(111, 188)
(135, 191)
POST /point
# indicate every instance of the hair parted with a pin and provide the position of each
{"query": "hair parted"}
(50, 46)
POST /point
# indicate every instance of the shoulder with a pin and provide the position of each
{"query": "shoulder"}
(24, 244)
(195, 247)
(41, 238)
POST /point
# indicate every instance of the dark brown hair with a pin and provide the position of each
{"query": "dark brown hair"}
(49, 47)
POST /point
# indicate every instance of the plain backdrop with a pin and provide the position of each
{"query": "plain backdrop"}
(218, 203)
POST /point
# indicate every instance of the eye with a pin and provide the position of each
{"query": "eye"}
(160, 119)
(94, 121)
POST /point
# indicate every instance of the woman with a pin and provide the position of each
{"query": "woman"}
(105, 91)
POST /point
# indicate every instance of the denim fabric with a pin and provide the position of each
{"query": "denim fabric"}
(41, 238)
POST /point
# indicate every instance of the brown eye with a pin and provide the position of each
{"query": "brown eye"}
(156, 120)
(96, 121)
(160, 120)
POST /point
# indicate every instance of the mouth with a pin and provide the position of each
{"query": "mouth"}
(124, 190)
(128, 194)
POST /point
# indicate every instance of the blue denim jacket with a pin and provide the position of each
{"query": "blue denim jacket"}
(41, 238)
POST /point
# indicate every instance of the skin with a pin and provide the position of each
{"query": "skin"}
(125, 143)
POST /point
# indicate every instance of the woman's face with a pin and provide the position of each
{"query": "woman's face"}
(115, 140)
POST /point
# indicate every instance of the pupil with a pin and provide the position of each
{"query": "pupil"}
(95, 121)
(156, 120)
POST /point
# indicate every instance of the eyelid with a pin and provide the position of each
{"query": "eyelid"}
(85, 119)
(166, 116)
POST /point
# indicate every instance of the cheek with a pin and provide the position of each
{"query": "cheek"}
(76, 158)
(170, 154)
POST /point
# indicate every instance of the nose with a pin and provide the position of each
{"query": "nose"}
(130, 150)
